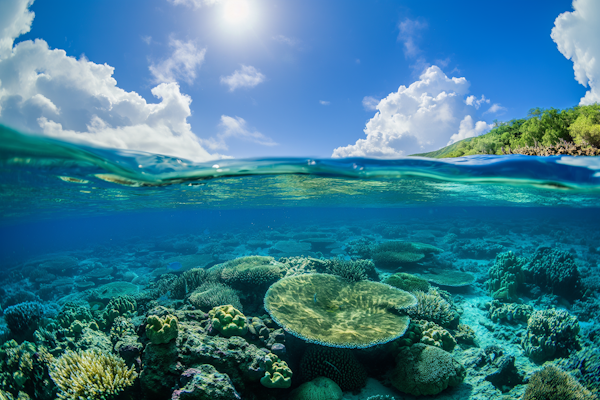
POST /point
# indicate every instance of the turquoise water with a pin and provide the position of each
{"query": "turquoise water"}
(97, 243)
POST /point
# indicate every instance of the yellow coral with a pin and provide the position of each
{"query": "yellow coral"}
(90, 374)
(278, 374)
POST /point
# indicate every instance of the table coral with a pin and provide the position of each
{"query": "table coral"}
(90, 374)
(408, 282)
(426, 370)
(331, 311)
(550, 334)
(228, 320)
(161, 330)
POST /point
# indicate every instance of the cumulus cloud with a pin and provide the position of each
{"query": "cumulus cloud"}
(577, 35)
(370, 103)
(246, 76)
(181, 65)
(475, 102)
(15, 20)
(468, 129)
(236, 127)
(424, 116)
(495, 109)
(195, 3)
(44, 91)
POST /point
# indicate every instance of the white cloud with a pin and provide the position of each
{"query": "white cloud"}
(247, 76)
(324, 102)
(195, 3)
(495, 108)
(577, 35)
(409, 32)
(475, 102)
(46, 92)
(15, 20)
(469, 129)
(370, 103)
(181, 65)
(235, 127)
(147, 39)
(419, 118)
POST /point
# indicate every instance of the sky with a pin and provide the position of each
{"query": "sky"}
(210, 79)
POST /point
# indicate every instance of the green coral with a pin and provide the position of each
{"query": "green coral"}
(426, 370)
(550, 334)
(162, 330)
(213, 294)
(464, 334)
(278, 374)
(335, 312)
(249, 273)
(408, 282)
(433, 307)
(188, 282)
(228, 320)
(24, 367)
(506, 277)
(352, 270)
(555, 272)
(435, 335)
(509, 312)
(124, 305)
(551, 383)
(320, 388)
(90, 374)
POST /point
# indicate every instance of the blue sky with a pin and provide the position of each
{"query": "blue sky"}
(312, 76)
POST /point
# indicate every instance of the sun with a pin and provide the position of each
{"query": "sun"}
(236, 12)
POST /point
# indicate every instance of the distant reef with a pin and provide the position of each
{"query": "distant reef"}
(573, 131)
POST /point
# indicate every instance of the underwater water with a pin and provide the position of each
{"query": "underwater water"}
(136, 276)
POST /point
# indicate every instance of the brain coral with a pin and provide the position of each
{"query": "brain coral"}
(550, 333)
(318, 389)
(328, 310)
(551, 383)
(339, 365)
(228, 320)
(554, 271)
(426, 370)
(90, 374)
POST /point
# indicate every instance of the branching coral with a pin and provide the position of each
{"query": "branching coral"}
(90, 374)
(554, 271)
(23, 318)
(432, 307)
(249, 273)
(506, 277)
(551, 383)
(213, 294)
(354, 271)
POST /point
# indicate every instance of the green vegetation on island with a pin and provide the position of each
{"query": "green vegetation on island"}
(571, 131)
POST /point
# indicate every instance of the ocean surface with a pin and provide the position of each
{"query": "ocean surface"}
(141, 276)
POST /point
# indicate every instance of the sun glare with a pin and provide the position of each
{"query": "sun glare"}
(236, 11)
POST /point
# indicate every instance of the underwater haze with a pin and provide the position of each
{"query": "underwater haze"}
(130, 275)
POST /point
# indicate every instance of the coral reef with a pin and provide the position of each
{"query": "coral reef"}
(435, 335)
(426, 370)
(212, 294)
(248, 273)
(162, 330)
(205, 383)
(555, 272)
(550, 334)
(433, 307)
(506, 277)
(228, 320)
(395, 254)
(278, 375)
(23, 318)
(509, 312)
(320, 388)
(408, 282)
(332, 311)
(90, 374)
(551, 383)
(339, 365)
(354, 271)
